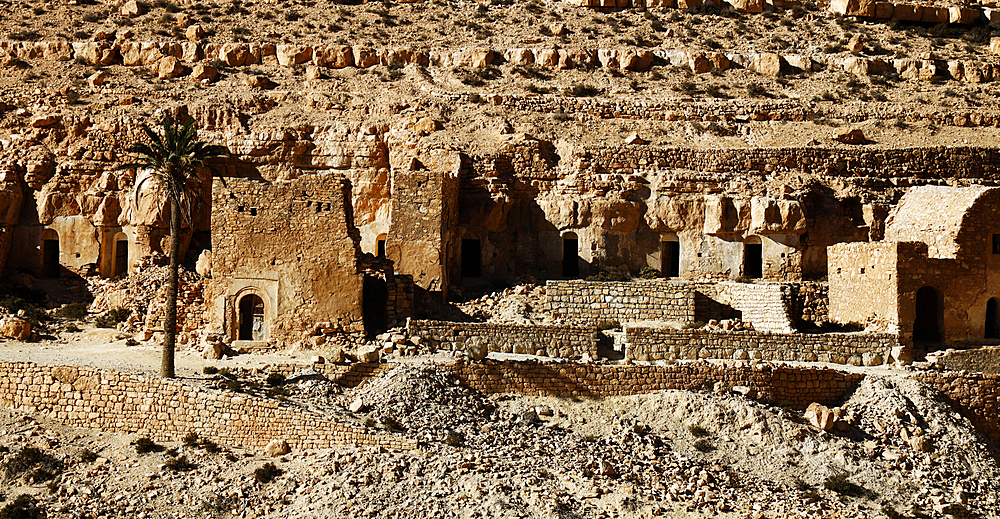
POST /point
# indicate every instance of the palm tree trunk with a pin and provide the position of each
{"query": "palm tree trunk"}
(170, 320)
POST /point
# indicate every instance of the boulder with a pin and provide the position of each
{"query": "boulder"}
(768, 64)
(995, 45)
(356, 405)
(699, 63)
(202, 72)
(131, 9)
(476, 348)
(169, 67)
(97, 79)
(426, 126)
(336, 356)
(289, 55)
(747, 6)
(333, 56)
(276, 448)
(204, 264)
(855, 136)
(14, 327)
(820, 416)
(853, 7)
(365, 57)
(213, 351)
(256, 81)
(234, 54)
(957, 14)
(194, 32)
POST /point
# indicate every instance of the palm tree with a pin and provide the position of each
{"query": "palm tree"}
(173, 159)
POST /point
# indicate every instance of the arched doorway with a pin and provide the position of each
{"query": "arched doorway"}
(121, 255)
(571, 255)
(251, 308)
(992, 326)
(753, 258)
(50, 253)
(927, 316)
(670, 256)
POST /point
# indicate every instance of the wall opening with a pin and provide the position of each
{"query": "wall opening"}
(251, 318)
(50, 254)
(380, 245)
(670, 257)
(375, 302)
(992, 326)
(571, 255)
(121, 255)
(996, 244)
(753, 258)
(472, 261)
(928, 316)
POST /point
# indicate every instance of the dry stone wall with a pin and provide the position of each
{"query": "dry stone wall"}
(568, 342)
(795, 386)
(166, 410)
(667, 344)
(977, 396)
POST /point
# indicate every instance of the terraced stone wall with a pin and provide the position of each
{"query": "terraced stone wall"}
(976, 395)
(857, 349)
(166, 410)
(568, 342)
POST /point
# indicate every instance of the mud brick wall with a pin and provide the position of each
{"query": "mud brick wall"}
(566, 342)
(166, 410)
(977, 396)
(657, 344)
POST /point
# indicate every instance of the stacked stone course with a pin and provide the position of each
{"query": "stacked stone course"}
(568, 342)
(856, 349)
(167, 409)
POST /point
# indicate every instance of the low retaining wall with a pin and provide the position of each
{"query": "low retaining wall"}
(765, 305)
(976, 395)
(796, 386)
(651, 344)
(167, 409)
(566, 342)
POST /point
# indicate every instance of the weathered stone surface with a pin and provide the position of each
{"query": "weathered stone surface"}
(13, 327)
(276, 448)
(853, 7)
(768, 64)
(289, 55)
(333, 56)
(169, 67)
(820, 416)
(131, 9)
(203, 72)
(855, 136)
(477, 348)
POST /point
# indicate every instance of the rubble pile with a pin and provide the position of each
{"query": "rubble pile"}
(520, 304)
(144, 292)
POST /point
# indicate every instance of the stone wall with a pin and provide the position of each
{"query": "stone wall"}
(984, 359)
(795, 386)
(568, 342)
(976, 395)
(667, 344)
(765, 305)
(594, 301)
(167, 410)
(294, 245)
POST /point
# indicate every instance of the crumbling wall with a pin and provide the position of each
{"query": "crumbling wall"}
(976, 395)
(667, 344)
(568, 342)
(291, 243)
(168, 409)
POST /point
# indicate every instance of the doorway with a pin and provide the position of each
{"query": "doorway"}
(380, 245)
(670, 258)
(472, 262)
(121, 258)
(992, 327)
(251, 318)
(928, 316)
(50, 255)
(374, 306)
(571, 256)
(753, 258)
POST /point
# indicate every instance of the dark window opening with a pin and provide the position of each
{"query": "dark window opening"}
(927, 317)
(381, 248)
(571, 257)
(50, 258)
(251, 318)
(472, 261)
(754, 261)
(996, 244)
(992, 326)
(253, 211)
(670, 259)
(121, 258)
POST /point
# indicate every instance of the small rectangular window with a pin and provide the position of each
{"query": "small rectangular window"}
(996, 244)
